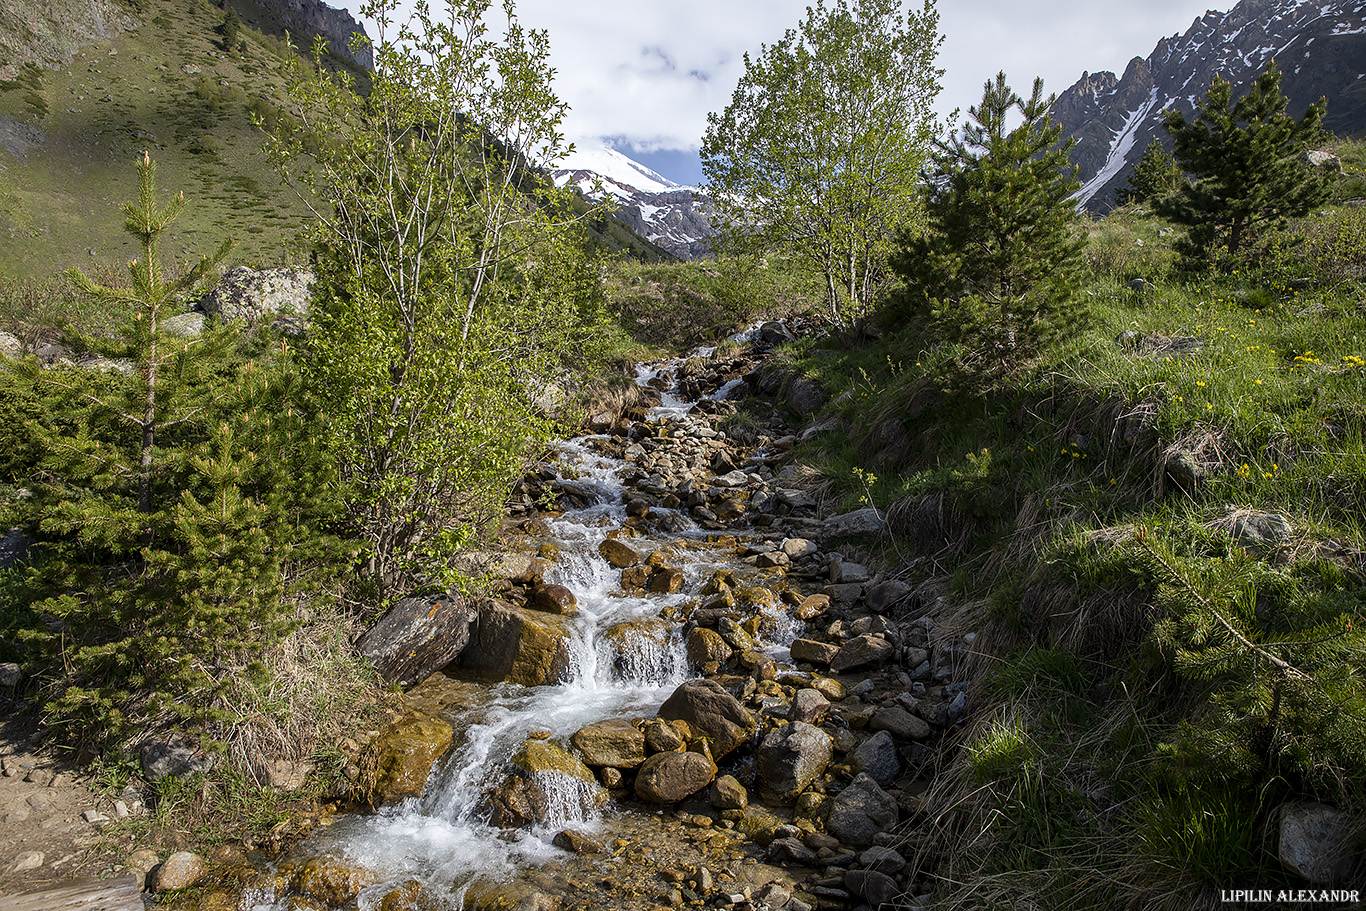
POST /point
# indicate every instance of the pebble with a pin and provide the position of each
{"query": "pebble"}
(30, 860)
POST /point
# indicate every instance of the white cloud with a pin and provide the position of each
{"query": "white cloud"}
(648, 73)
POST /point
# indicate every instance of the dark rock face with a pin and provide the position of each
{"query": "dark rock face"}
(312, 17)
(1317, 45)
(417, 637)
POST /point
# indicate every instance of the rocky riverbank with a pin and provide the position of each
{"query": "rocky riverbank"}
(786, 694)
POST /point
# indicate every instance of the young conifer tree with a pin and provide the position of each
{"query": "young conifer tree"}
(997, 266)
(1155, 175)
(1246, 166)
(171, 502)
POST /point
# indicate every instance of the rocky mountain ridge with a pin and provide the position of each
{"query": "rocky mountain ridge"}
(1320, 47)
(671, 216)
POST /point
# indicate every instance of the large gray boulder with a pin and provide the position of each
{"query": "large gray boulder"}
(805, 397)
(1315, 842)
(861, 811)
(10, 346)
(877, 758)
(418, 636)
(866, 521)
(259, 295)
(710, 710)
(790, 758)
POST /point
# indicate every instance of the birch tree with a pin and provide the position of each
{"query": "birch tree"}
(818, 152)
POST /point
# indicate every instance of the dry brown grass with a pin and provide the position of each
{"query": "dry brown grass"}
(316, 692)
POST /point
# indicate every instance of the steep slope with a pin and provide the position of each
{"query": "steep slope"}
(671, 216)
(1320, 45)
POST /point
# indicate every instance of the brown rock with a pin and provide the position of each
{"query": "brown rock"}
(711, 711)
(862, 652)
(706, 645)
(812, 607)
(666, 580)
(670, 777)
(577, 842)
(813, 652)
(618, 553)
(663, 737)
(179, 872)
(728, 794)
(613, 742)
(553, 599)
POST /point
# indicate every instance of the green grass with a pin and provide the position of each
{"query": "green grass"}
(1119, 756)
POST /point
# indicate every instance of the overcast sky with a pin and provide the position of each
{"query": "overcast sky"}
(641, 76)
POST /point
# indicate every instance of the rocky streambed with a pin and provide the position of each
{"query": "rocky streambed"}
(688, 692)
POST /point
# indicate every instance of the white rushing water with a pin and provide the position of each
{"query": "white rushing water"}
(443, 838)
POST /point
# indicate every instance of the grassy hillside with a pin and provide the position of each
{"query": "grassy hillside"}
(1155, 533)
(69, 138)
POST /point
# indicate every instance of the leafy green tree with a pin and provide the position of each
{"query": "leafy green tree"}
(997, 267)
(453, 278)
(1155, 175)
(1246, 166)
(179, 504)
(818, 151)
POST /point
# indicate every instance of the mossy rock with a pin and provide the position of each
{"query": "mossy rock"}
(404, 754)
(333, 881)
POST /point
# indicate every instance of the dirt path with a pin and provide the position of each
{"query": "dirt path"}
(53, 827)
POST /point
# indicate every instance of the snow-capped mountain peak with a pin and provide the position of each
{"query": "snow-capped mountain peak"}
(668, 214)
(616, 167)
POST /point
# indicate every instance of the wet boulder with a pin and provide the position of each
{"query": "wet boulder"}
(705, 645)
(615, 743)
(790, 758)
(417, 636)
(863, 652)
(670, 777)
(618, 553)
(543, 779)
(861, 811)
(813, 652)
(404, 753)
(641, 649)
(553, 599)
(509, 643)
(332, 881)
(711, 711)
